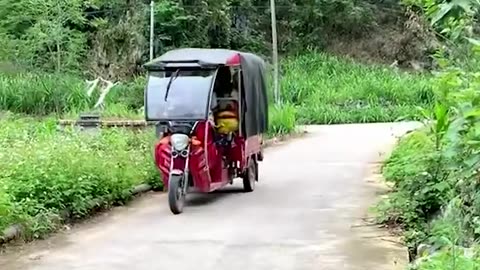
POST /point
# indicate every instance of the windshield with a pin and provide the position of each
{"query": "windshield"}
(178, 94)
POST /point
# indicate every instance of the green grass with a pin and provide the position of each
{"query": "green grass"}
(450, 258)
(324, 89)
(419, 190)
(434, 199)
(282, 119)
(329, 90)
(429, 202)
(44, 172)
(43, 94)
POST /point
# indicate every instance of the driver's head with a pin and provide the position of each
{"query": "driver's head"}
(224, 81)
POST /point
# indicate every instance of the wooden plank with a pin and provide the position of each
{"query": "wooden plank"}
(107, 123)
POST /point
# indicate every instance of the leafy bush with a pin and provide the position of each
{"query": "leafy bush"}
(452, 257)
(44, 172)
(437, 187)
(419, 188)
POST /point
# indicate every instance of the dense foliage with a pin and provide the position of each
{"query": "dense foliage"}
(110, 38)
(434, 171)
(45, 173)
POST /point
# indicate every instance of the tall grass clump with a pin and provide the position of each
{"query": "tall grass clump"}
(43, 94)
(44, 172)
(282, 119)
(328, 90)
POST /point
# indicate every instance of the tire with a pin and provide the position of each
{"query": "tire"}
(250, 176)
(176, 198)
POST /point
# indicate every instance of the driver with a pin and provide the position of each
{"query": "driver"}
(227, 116)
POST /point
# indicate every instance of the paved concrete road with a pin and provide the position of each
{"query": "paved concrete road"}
(303, 215)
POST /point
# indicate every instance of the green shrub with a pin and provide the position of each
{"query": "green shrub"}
(451, 257)
(44, 172)
(408, 158)
(420, 190)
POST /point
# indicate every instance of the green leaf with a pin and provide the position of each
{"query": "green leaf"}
(472, 161)
(466, 5)
(445, 8)
(441, 186)
(472, 113)
(473, 41)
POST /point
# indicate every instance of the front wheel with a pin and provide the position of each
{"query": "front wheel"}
(250, 176)
(176, 196)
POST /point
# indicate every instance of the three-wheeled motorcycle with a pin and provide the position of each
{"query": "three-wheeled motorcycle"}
(211, 110)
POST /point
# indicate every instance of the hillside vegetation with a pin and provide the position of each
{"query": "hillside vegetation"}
(322, 88)
(45, 174)
(110, 38)
(434, 171)
(332, 90)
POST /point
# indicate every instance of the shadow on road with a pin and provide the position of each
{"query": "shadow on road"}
(199, 199)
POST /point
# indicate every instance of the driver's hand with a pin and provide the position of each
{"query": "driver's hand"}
(211, 118)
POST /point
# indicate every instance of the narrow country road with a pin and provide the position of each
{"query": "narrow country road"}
(306, 213)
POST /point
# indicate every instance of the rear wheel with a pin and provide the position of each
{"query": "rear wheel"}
(176, 197)
(250, 176)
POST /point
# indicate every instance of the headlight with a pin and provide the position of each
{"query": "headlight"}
(179, 141)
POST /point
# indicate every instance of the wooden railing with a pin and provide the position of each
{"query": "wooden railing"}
(89, 122)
